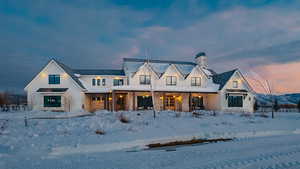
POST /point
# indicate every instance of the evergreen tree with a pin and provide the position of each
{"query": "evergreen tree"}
(255, 106)
(298, 106)
(276, 105)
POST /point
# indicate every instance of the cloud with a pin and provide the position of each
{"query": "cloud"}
(283, 78)
(85, 35)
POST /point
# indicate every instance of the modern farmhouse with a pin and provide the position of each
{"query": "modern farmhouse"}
(174, 85)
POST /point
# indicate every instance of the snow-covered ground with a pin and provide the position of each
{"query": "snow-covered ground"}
(72, 143)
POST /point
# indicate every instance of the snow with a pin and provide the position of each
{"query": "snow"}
(72, 143)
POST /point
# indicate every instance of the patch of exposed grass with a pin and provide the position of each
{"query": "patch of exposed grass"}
(187, 142)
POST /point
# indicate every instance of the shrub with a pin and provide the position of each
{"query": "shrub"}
(124, 119)
(100, 132)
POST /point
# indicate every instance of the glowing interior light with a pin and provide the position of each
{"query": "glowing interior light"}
(109, 98)
(43, 74)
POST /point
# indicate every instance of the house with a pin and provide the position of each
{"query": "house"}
(174, 85)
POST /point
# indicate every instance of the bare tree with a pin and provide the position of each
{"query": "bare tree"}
(266, 86)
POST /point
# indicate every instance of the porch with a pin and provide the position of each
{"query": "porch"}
(142, 100)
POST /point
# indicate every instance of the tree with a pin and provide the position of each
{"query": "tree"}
(276, 105)
(267, 88)
(255, 106)
(298, 106)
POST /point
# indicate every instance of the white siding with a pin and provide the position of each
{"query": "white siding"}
(74, 94)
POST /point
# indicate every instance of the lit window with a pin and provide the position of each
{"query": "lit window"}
(145, 79)
(171, 80)
(196, 81)
(118, 82)
(52, 101)
(54, 79)
(235, 84)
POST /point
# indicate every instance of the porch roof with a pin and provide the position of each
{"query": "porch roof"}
(55, 90)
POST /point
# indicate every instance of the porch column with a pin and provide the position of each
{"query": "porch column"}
(133, 101)
(113, 100)
(190, 102)
(164, 97)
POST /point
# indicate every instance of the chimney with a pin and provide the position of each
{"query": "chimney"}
(201, 60)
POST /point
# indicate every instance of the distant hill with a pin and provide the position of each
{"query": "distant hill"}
(282, 99)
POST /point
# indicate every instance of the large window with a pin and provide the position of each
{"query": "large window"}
(52, 101)
(235, 101)
(145, 79)
(196, 81)
(144, 102)
(197, 103)
(118, 82)
(171, 80)
(54, 79)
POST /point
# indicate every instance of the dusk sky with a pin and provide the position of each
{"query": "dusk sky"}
(261, 37)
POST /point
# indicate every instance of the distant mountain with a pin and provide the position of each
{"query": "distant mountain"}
(282, 99)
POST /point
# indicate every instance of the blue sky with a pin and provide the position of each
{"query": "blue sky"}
(98, 34)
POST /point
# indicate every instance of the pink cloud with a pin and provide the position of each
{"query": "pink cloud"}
(284, 78)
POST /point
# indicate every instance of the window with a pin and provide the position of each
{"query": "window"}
(235, 84)
(171, 80)
(103, 82)
(118, 82)
(54, 79)
(52, 101)
(145, 79)
(235, 101)
(144, 102)
(94, 82)
(196, 81)
(98, 82)
(197, 103)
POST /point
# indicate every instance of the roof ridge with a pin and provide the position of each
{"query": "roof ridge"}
(158, 61)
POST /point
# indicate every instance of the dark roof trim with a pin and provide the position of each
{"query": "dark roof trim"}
(237, 90)
(56, 90)
(117, 72)
(157, 61)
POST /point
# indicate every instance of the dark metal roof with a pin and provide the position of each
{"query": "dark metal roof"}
(70, 72)
(52, 89)
(157, 61)
(99, 72)
(222, 78)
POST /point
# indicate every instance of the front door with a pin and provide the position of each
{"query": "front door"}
(97, 102)
(121, 102)
(170, 103)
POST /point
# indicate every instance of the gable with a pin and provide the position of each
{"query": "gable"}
(54, 67)
(145, 69)
(172, 70)
(197, 72)
(239, 78)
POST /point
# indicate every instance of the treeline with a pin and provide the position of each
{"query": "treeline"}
(9, 98)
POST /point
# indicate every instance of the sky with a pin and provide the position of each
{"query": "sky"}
(260, 37)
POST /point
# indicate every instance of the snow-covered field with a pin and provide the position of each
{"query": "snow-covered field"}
(72, 142)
